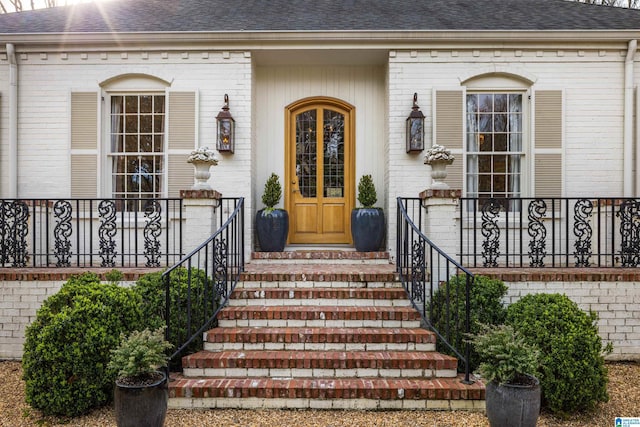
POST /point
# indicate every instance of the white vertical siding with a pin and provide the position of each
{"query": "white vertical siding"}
(362, 87)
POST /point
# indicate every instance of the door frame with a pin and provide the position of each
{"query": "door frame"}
(289, 139)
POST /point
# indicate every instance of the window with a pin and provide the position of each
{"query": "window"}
(137, 146)
(494, 144)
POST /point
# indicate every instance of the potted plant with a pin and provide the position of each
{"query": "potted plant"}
(140, 394)
(367, 222)
(272, 224)
(508, 366)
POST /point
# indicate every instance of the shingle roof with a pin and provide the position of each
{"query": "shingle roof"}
(319, 15)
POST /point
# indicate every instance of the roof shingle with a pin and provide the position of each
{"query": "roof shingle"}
(131, 16)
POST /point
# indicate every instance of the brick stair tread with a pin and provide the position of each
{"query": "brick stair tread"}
(327, 388)
(319, 293)
(320, 254)
(320, 272)
(318, 312)
(283, 359)
(320, 335)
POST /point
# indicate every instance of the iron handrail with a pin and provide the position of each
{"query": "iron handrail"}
(411, 245)
(222, 272)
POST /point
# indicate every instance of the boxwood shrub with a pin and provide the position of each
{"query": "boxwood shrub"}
(201, 295)
(573, 375)
(67, 347)
(486, 304)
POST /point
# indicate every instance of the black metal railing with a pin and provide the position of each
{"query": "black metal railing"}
(202, 282)
(550, 232)
(424, 269)
(90, 232)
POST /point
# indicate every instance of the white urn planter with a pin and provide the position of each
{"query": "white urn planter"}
(438, 157)
(202, 159)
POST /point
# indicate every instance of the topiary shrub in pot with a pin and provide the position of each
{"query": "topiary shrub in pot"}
(272, 224)
(67, 346)
(141, 394)
(573, 375)
(508, 366)
(367, 223)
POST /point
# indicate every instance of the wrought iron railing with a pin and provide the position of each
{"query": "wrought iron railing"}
(423, 269)
(216, 266)
(90, 232)
(550, 232)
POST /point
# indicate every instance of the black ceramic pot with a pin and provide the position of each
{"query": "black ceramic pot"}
(367, 229)
(272, 229)
(513, 405)
(144, 405)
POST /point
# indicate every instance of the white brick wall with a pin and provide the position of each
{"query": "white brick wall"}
(617, 305)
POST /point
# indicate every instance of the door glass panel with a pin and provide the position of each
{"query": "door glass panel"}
(306, 152)
(333, 144)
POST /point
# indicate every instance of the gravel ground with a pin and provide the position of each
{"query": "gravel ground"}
(624, 391)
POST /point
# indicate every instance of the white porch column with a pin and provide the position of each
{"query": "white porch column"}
(200, 216)
(442, 219)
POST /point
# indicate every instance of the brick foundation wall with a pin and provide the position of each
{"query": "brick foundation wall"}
(617, 305)
(22, 293)
(616, 302)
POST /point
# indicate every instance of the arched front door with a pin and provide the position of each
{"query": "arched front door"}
(319, 170)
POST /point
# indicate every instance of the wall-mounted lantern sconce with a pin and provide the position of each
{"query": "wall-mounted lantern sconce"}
(226, 128)
(415, 128)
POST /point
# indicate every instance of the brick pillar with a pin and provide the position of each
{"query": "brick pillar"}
(200, 216)
(442, 219)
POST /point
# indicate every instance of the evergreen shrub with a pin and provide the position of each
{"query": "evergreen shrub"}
(67, 347)
(272, 192)
(573, 375)
(204, 302)
(486, 308)
(367, 195)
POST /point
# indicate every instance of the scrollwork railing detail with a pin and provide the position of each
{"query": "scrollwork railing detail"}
(62, 231)
(582, 212)
(14, 231)
(629, 215)
(538, 233)
(152, 232)
(220, 274)
(107, 232)
(490, 232)
(418, 266)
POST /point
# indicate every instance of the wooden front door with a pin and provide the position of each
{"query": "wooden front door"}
(319, 174)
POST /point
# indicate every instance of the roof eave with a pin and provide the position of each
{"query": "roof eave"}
(368, 39)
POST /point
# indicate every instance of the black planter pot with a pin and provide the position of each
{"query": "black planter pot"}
(141, 405)
(512, 405)
(272, 229)
(367, 229)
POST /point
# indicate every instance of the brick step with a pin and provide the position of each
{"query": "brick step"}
(320, 296)
(325, 393)
(313, 272)
(319, 316)
(317, 364)
(320, 257)
(329, 339)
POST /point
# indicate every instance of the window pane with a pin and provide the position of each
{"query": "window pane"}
(485, 103)
(500, 142)
(131, 104)
(137, 127)
(146, 103)
(500, 103)
(494, 128)
(146, 124)
(306, 152)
